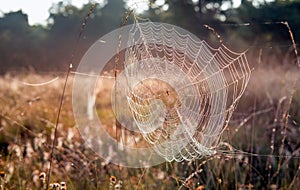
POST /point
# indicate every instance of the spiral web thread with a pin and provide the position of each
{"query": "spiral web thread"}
(181, 92)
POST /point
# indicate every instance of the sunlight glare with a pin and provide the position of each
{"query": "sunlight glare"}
(139, 6)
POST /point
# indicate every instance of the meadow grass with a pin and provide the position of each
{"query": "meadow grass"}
(260, 147)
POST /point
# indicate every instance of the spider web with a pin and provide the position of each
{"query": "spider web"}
(180, 91)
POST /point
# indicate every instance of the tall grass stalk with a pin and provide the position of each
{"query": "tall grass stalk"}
(82, 28)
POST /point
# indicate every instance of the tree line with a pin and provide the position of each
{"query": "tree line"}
(48, 48)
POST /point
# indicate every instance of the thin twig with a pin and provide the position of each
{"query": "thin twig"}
(293, 41)
(56, 127)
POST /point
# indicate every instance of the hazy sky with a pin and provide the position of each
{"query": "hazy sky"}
(37, 10)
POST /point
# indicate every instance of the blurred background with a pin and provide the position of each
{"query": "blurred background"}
(42, 36)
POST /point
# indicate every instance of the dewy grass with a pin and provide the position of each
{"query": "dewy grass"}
(73, 161)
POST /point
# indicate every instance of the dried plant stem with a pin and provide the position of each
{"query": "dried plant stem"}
(293, 41)
(295, 177)
(269, 161)
(83, 25)
(286, 118)
(56, 127)
(215, 33)
(249, 117)
(197, 171)
(18, 124)
(117, 59)
(87, 17)
(141, 177)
